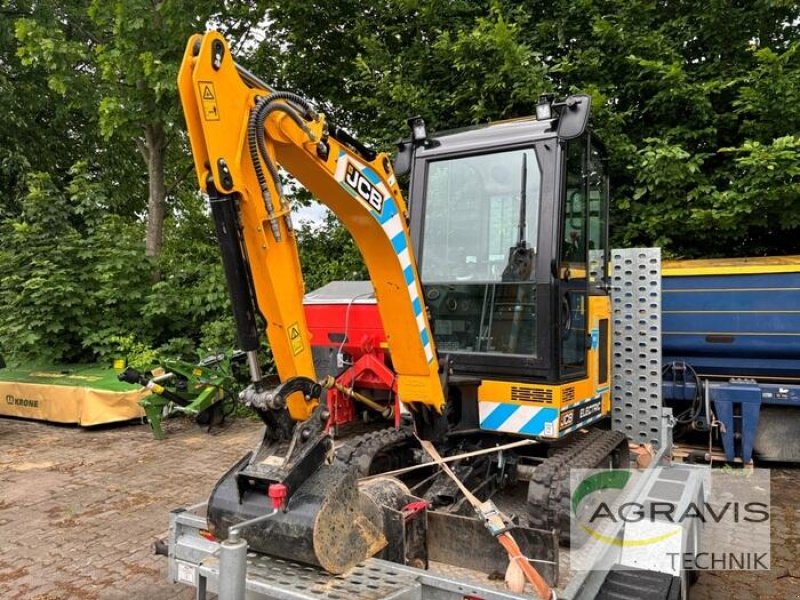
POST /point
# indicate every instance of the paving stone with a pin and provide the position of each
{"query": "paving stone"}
(79, 522)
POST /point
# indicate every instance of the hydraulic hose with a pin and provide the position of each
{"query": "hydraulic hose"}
(262, 112)
(257, 143)
(252, 142)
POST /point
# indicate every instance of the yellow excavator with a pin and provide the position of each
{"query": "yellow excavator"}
(492, 289)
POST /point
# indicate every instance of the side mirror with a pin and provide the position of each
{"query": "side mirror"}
(402, 160)
(574, 116)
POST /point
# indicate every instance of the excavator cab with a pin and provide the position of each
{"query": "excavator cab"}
(509, 224)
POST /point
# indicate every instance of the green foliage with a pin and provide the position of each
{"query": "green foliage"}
(328, 253)
(136, 354)
(681, 90)
(76, 286)
(67, 283)
(697, 103)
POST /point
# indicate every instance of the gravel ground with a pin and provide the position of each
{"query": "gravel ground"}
(79, 510)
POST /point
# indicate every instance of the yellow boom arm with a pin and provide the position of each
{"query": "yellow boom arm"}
(239, 133)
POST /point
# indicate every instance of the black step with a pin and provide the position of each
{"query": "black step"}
(627, 583)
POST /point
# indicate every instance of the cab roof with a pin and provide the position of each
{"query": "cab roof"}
(502, 133)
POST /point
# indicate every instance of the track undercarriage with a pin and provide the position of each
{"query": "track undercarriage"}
(529, 482)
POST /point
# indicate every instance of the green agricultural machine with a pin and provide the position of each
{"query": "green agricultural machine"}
(205, 390)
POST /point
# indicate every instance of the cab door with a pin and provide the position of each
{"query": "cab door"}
(583, 267)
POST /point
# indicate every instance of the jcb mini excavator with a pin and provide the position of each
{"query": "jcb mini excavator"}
(492, 292)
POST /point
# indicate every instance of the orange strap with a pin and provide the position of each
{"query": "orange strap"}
(544, 591)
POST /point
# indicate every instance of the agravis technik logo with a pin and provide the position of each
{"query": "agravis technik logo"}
(671, 518)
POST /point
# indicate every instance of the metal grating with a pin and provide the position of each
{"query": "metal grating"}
(568, 395)
(531, 394)
(283, 579)
(636, 312)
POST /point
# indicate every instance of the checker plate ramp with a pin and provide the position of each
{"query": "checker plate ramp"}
(286, 580)
(636, 316)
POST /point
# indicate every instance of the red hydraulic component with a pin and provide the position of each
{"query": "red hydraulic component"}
(366, 372)
(352, 328)
(277, 492)
(412, 510)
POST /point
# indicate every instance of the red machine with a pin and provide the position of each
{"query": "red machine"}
(350, 345)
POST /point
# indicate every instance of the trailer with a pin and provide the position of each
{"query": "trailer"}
(231, 571)
(731, 342)
(448, 563)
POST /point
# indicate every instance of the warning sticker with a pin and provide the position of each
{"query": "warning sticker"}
(186, 573)
(209, 97)
(295, 339)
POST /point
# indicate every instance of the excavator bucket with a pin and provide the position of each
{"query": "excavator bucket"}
(327, 522)
(287, 499)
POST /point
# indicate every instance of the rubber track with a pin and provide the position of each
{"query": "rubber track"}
(549, 493)
(361, 450)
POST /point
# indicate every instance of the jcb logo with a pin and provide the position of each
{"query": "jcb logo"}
(356, 180)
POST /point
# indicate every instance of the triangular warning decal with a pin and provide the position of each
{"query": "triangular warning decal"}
(207, 93)
(294, 333)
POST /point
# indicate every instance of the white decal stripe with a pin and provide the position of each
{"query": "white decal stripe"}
(405, 259)
(420, 323)
(393, 226)
(518, 420)
(340, 167)
(485, 409)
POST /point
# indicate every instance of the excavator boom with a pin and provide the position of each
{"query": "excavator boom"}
(240, 134)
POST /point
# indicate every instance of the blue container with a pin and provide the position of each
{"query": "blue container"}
(733, 318)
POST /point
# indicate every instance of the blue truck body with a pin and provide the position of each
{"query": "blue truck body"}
(731, 342)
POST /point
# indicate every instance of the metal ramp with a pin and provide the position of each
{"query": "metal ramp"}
(279, 579)
(636, 350)
(271, 578)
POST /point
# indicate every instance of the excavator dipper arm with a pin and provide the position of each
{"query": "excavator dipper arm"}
(240, 133)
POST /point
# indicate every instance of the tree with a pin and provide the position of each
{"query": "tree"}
(676, 86)
(72, 227)
(128, 52)
(40, 132)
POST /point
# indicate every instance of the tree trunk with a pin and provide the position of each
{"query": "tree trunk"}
(154, 155)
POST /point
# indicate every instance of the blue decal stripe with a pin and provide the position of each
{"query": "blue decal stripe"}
(409, 274)
(371, 175)
(425, 339)
(499, 416)
(399, 242)
(536, 425)
(389, 210)
(417, 307)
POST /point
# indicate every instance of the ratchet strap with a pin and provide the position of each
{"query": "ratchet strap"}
(497, 525)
